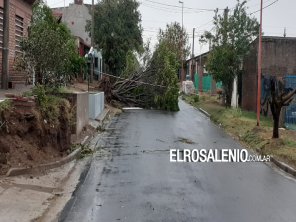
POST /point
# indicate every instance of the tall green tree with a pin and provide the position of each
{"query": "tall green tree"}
(231, 43)
(117, 31)
(164, 64)
(49, 51)
(176, 39)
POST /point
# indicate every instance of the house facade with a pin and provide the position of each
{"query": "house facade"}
(196, 72)
(76, 17)
(278, 59)
(20, 13)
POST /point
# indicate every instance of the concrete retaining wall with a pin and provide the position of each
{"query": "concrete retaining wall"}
(82, 111)
(79, 102)
(96, 104)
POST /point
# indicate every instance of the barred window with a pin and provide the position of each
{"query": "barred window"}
(1, 27)
(19, 32)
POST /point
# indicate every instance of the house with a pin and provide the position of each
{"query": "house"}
(195, 71)
(20, 13)
(76, 17)
(278, 59)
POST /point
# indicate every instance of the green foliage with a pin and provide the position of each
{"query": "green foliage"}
(5, 105)
(50, 50)
(196, 98)
(234, 34)
(223, 63)
(175, 37)
(132, 64)
(49, 104)
(165, 64)
(117, 31)
(290, 143)
(145, 55)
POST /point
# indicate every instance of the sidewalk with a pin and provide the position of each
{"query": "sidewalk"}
(27, 198)
(43, 197)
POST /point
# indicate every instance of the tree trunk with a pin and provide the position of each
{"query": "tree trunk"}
(276, 120)
(228, 93)
(228, 99)
(276, 112)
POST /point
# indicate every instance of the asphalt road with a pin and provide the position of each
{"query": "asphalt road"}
(132, 180)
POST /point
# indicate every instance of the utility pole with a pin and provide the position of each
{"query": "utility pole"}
(182, 46)
(193, 44)
(5, 49)
(259, 67)
(92, 40)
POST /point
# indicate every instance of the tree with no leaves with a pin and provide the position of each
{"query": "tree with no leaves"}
(278, 98)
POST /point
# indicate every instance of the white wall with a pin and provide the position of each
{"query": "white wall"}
(96, 104)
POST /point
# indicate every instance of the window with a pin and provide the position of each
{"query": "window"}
(19, 32)
(96, 62)
(1, 27)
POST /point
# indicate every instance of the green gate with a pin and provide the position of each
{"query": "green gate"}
(206, 83)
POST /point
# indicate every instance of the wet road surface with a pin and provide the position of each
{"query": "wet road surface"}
(131, 179)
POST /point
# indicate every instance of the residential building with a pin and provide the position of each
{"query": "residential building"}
(20, 13)
(278, 59)
(195, 69)
(76, 17)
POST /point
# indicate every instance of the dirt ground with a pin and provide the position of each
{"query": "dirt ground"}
(28, 140)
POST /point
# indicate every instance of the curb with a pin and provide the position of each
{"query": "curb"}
(284, 167)
(204, 112)
(288, 169)
(103, 115)
(199, 109)
(47, 166)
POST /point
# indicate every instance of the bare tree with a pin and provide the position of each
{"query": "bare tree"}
(278, 98)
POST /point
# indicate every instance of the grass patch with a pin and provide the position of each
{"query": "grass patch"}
(242, 125)
(5, 105)
(289, 143)
(51, 106)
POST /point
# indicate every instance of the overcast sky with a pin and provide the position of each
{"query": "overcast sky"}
(157, 13)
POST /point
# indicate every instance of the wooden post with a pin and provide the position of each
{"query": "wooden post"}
(259, 68)
(5, 49)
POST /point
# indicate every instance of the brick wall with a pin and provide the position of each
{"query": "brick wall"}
(278, 58)
(23, 10)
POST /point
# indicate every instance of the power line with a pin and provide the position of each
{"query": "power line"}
(131, 80)
(159, 8)
(177, 6)
(258, 4)
(170, 10)
(265, 7)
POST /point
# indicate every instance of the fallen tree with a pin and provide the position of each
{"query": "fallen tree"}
(153, 87)
(127, 91)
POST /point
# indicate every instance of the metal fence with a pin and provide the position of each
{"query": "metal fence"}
(290, 117)
(207, 83)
